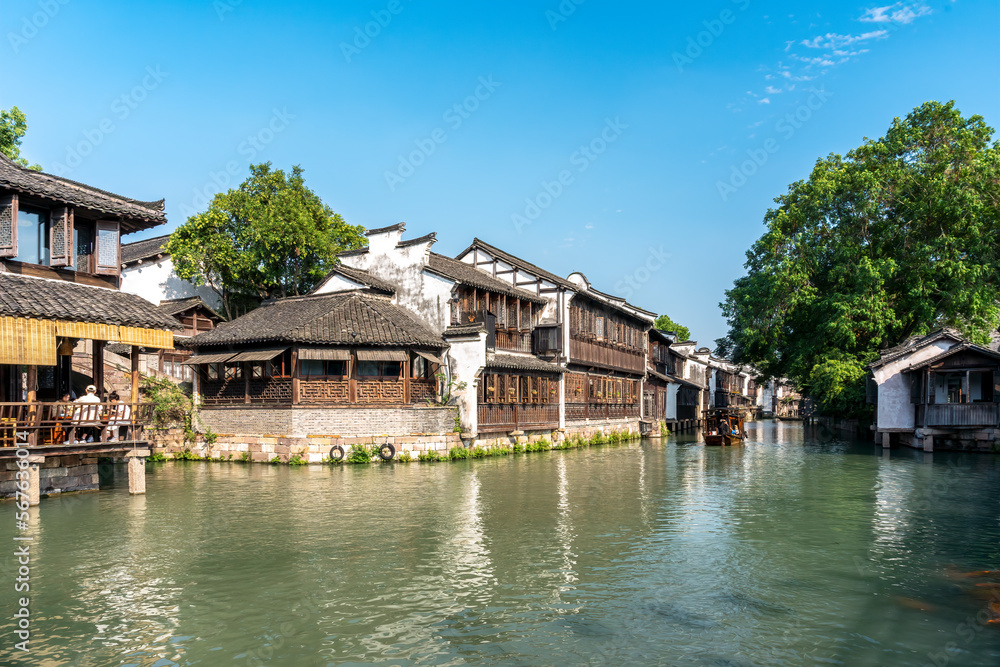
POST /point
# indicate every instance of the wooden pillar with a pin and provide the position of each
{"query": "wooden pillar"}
(97, 357)
(352, 381)
(135, 376)
(295, 375)
(33, 413)
(247, 369)
(406, 381)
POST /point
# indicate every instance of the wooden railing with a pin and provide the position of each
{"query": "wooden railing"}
(517, 416)
(513, 341)
(42, 424)
(581, 411)
(607, 356)
(961, 414)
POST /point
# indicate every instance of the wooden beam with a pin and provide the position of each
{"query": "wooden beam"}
(295, 375)
(135, 375)
(97, 368)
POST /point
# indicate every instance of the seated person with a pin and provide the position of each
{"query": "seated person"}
(119, 415)
(87, 415)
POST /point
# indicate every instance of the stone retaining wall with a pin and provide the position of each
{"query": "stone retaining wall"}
(57, 474)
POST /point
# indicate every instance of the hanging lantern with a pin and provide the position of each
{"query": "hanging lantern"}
(65, 348)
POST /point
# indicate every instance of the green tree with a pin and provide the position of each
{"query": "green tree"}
(664, 323)
(892, 240)
(13, 125)
(271, 237)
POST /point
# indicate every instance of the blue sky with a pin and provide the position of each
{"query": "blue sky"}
(600, 137)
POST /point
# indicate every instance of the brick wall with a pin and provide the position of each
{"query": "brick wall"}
(302, 421)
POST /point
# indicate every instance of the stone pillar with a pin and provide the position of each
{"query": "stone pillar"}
(34, 478)
(137, 471)
(928, 443)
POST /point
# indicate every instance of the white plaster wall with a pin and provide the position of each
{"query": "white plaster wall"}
(894, 407)
(155, 281)
(672, 400)
(335, 283)
(465, 358)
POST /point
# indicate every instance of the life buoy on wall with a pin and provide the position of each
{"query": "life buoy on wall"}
(386, 452)
(336, 453)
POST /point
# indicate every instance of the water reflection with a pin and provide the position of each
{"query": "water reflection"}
(793, 549)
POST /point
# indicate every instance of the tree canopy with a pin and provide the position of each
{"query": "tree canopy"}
(664, 323)
(894, 239)
(271, 237)
(13, 125)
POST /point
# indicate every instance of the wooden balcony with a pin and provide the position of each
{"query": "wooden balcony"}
(513, 341)
(594, 353)
(517, 417)
(71, 424)
(958, 414)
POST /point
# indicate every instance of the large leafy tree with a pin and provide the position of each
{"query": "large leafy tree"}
(13, 125)
(271, 237)
(664, 323)
(894, 239)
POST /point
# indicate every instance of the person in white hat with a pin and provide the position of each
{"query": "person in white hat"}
(89, 415)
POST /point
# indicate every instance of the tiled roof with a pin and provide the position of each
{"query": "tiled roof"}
(363, 277)
(912, 343)
(21, 296)
(174, 306)
(521, 264)
(341, 318)
(465, 329)
(466, 274)
(133, 252)
(401, 226)
(135, 214)
(518, 363)
(985, 351)
(432, 237)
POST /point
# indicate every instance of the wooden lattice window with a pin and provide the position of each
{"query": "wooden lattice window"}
(61, 246)
(108, 248)
(8, 225)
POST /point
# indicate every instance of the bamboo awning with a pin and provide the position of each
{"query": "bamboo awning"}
(258, 355)
(328, 354)
(216, 358)
(30, 341)
(382, 355)
(429, 357)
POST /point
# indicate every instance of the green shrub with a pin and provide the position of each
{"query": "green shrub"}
(297, 460)
(245, 457)
(187, 455)
(210, 437)
(275, 459)
(156, 457)
(362, 453)
(459, 453)
(404, 457)
(171, 405)
(478, 453)
(598, 439)
(430, 457)
(517, 448)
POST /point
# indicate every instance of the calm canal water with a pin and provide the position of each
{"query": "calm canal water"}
(797, 549)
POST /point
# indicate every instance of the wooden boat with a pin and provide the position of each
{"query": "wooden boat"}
(723, 426)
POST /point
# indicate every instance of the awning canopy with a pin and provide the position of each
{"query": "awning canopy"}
(382, 355)
(429, 357)
(26, 340)
(216, 358)
(324, 354)
(258, 355)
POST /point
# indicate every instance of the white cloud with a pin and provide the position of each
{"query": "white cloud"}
(771, 90)
(764, 100)
(901, 12)
(832, 40)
